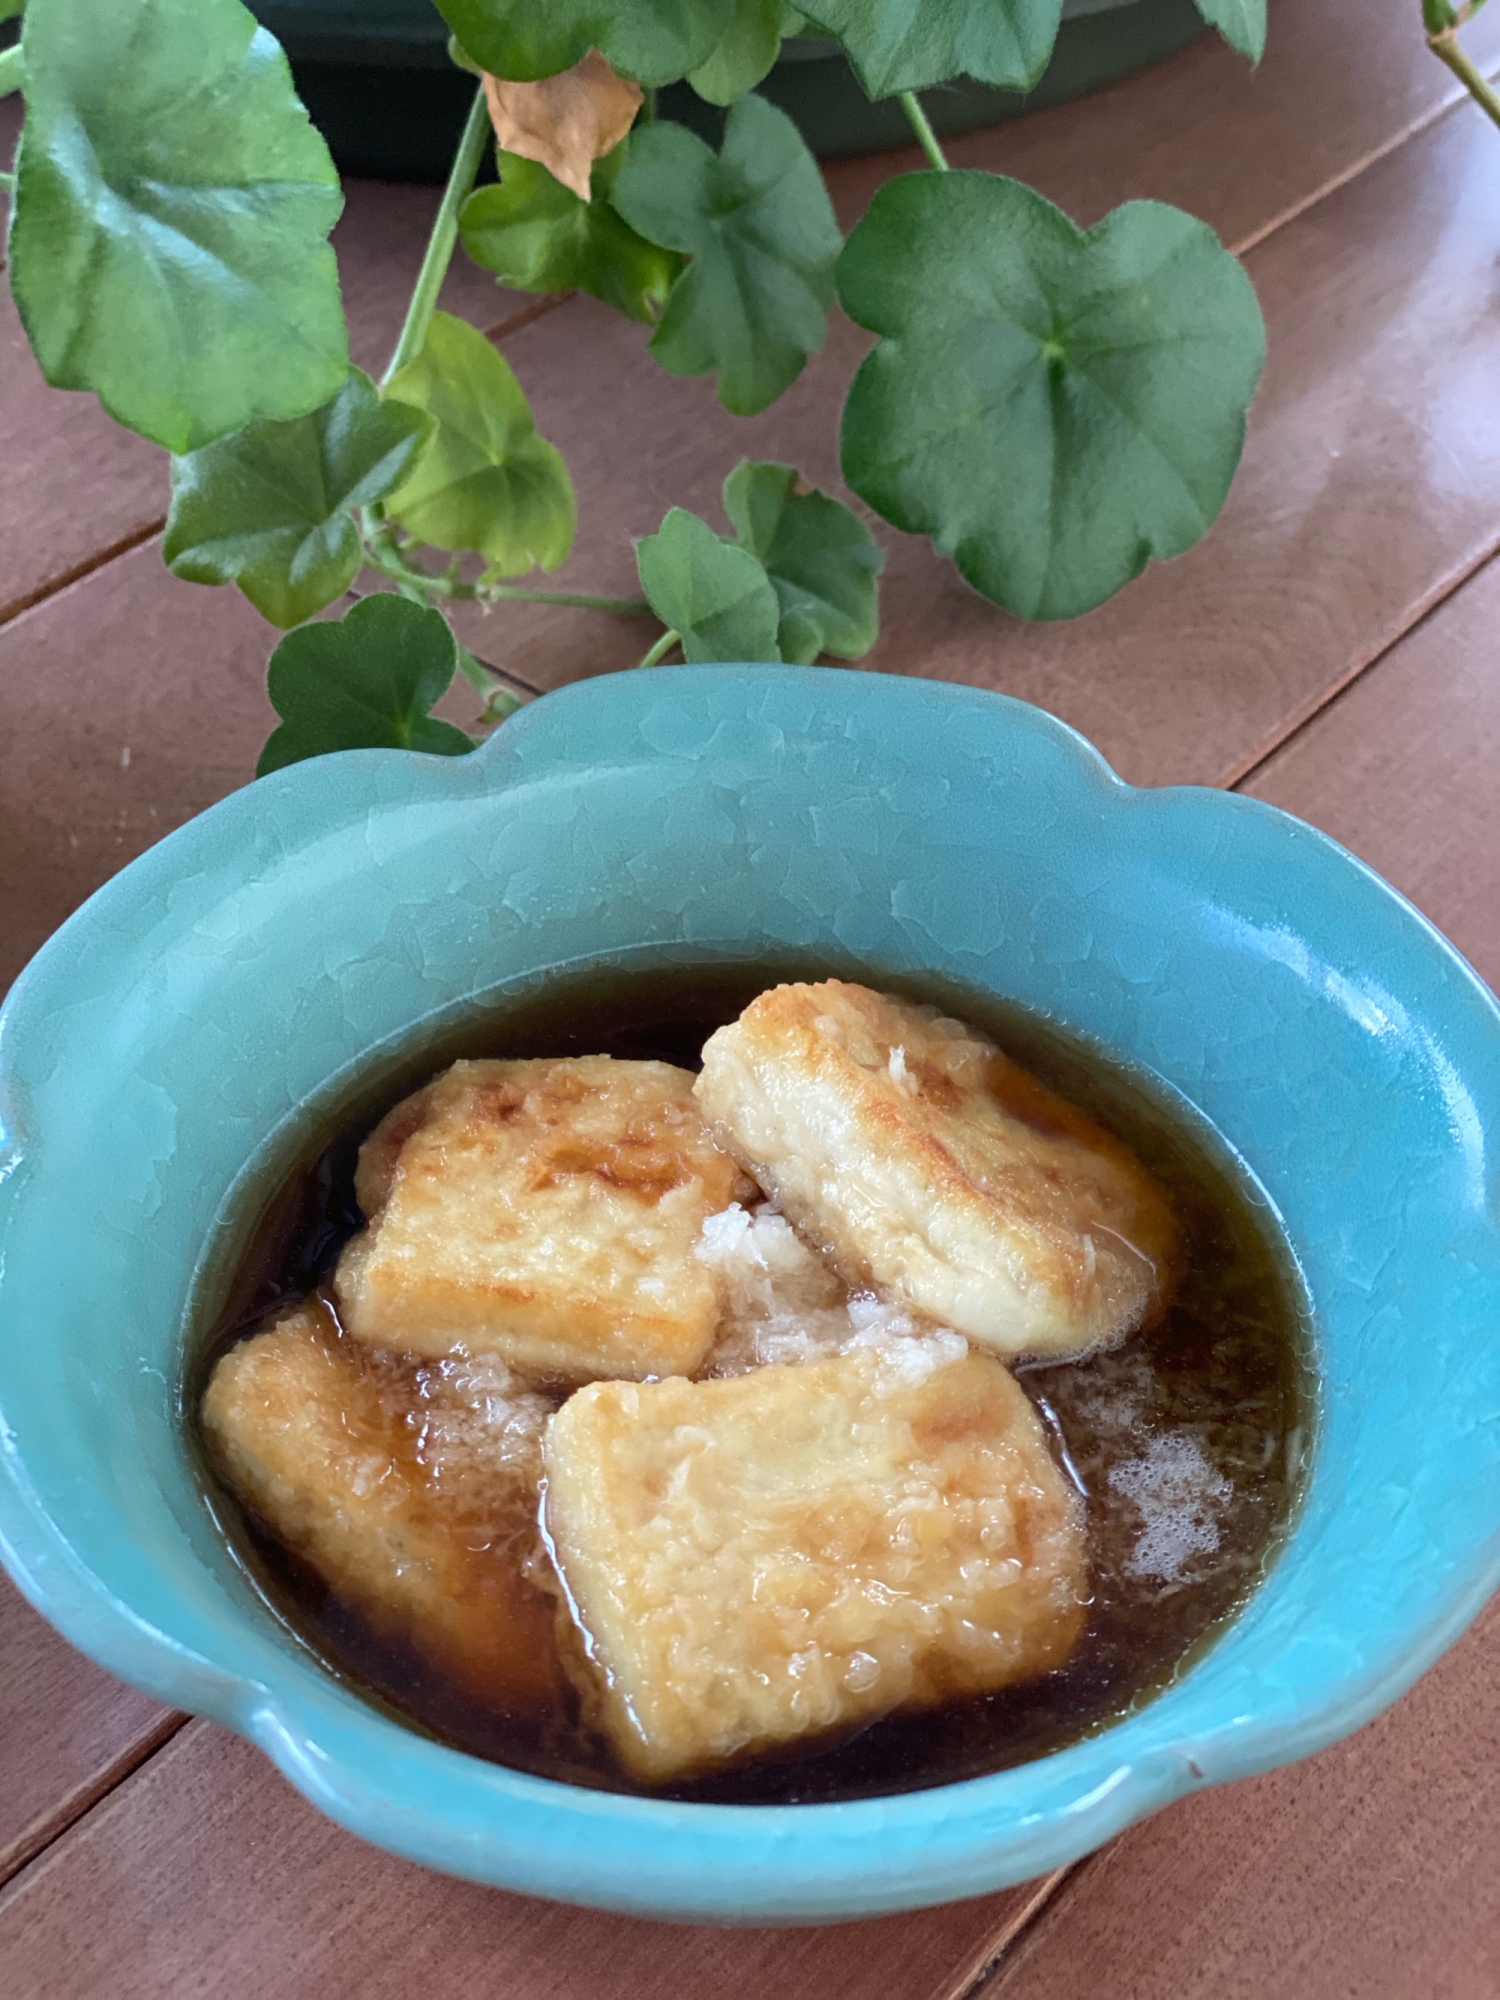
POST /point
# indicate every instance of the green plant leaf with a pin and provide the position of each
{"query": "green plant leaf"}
(168, 248)
(366, 682)
(759, 227)
(1053, 407)
(535, 234)
(748, 47)
(1242, 23)
(269, 508)
(715, 596)
(912, 44)
(486, 481)
(822, 560)
(654, 41)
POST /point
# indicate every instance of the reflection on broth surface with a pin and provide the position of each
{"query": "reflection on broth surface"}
(1185, 1441)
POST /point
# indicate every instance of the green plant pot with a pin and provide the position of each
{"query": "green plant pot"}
(376, 78)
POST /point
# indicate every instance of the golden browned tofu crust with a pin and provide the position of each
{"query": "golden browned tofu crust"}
(544, 1211)
(927, 1163)
(803, 1548)
(411, 1491)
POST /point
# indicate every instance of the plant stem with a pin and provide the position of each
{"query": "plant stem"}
(12, 69)
(444, 235)
(1445, 46)
(582, 600)
(476, 675)
(1440, 14)
(663, 646)
(926, 137)
(499, 700)
(7, 183)
(382, 554)
(499, 703)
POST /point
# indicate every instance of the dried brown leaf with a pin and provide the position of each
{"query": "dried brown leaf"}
(565, 122)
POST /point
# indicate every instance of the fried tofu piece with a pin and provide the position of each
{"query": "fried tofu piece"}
(802, 1549)
(925, 1162)
(544, 1211)
(412, 1491)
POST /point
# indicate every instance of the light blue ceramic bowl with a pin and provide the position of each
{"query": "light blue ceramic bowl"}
(199, 1009)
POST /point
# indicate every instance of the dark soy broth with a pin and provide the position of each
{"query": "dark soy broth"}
(1188, 1441)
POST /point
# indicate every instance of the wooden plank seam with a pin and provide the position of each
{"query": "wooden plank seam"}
(1002, 1946)
(72, 1811)
(1301, 719)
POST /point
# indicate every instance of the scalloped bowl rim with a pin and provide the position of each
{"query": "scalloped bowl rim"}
(803, 1863)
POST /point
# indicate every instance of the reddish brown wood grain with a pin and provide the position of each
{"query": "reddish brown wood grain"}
(205, 1874)
(1405, 769)
(67, 1731)
(128, 702)
(1366, 1873)
(10, 127)
(77, 483)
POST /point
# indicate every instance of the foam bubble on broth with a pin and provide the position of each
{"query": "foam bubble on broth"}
(1178, 1494)
(1170, 1481)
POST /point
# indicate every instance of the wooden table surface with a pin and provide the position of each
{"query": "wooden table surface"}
(1331, 647)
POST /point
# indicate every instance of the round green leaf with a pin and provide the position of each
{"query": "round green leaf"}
(486, 481)
(822, 560)
(912, 44)
(1053, 407)
(168, 248)
(757, 223)
(269, 508)
(716, 597)
(535, 234)
(364, 683)
(654, 41)
(1242, 23)
(749, 45)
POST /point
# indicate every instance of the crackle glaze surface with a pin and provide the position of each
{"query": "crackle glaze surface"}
(213, 995)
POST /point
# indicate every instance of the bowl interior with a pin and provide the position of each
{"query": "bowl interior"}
(201, 1009)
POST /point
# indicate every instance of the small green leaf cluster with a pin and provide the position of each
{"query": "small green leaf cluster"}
(537, 236)
(271, 507)
(729, 254)
(368, 682)
(800, 579)
(1053, 407)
